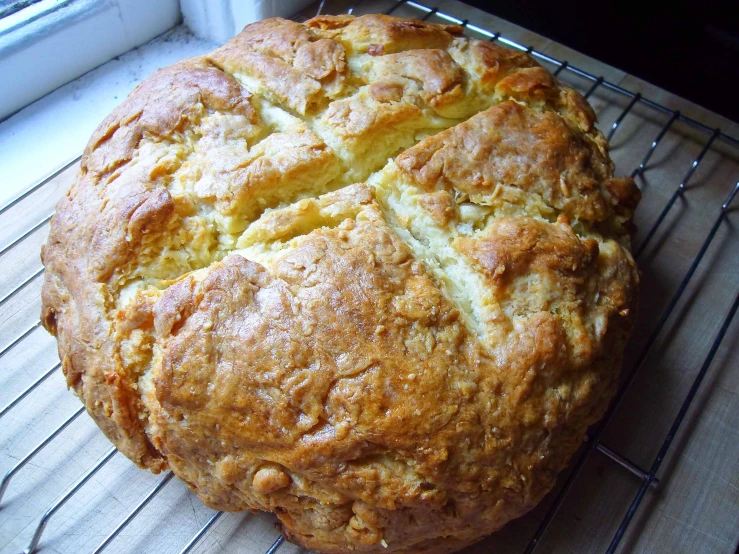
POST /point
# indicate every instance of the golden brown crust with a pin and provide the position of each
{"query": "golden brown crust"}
(403, 364)
(160, 106)
(489, 62)
(513, 145)
(381, 34)
(298, 67)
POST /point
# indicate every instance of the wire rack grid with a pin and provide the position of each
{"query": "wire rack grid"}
(21, 335)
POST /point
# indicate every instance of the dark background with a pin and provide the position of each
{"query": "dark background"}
(688, 48)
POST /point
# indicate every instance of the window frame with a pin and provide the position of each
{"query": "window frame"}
(52, 42)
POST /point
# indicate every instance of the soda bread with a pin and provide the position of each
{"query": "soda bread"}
(365, 273)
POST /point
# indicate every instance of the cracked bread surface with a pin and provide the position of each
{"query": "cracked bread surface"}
(365, 273)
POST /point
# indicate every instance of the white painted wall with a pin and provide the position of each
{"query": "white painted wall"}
(219, 20)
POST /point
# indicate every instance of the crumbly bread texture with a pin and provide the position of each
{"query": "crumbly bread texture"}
(364, 273)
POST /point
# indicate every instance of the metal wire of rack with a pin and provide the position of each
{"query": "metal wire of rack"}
(648, 477)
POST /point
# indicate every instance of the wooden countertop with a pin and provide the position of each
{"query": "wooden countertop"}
(694, 509)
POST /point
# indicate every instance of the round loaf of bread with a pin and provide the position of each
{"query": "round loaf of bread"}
(365, 273)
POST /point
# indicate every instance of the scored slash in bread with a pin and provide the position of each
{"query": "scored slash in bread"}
(365, 273)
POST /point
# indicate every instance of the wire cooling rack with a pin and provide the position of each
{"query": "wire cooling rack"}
(84, 462)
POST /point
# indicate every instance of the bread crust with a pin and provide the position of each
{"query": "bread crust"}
(365, 273)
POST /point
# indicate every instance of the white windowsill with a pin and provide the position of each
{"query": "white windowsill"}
(54, 41)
